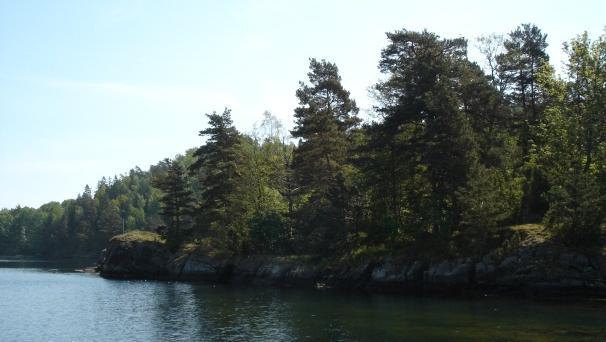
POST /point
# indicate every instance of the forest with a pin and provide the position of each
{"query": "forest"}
(455, 150)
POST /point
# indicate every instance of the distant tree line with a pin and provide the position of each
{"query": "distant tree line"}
(82, 226)
(455, 151)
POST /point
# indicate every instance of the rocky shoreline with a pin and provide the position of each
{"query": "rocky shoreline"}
(532, 268)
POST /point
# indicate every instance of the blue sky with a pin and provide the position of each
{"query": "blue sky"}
(93, 88)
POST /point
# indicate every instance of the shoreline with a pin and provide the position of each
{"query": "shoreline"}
(540, 270)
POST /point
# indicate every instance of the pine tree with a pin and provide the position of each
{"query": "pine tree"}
(423, 148)
(86, 226)
(519, 67)
(323, 122)
(109, 222)
(177, 203)
(217, 165)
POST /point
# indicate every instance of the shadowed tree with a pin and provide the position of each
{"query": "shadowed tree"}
(519, 67)
(177, 202)
(423, 149)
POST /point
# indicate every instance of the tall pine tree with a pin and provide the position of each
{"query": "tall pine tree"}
(217, 165)
(423, 149)
(323, 122)
(525, 54)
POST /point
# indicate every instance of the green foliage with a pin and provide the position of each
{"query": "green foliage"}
(177, 203)
(218, 166)
(82, 226)
(573, 152)
(576, 213)
(368, 252)
(269, 233)
(323, 122)
(490, 199)
(586, 97)
(519, 69)
(139, 235)
(427, 144)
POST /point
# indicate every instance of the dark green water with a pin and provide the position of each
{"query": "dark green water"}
(50, 302)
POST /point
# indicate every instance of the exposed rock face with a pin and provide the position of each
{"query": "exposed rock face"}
(197, 266)
(541, 269)
(448, 273)
(281, 271)
(134, 259)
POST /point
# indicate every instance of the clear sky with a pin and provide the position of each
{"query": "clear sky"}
(93, 88)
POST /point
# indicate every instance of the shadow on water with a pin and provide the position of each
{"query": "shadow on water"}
(254, 313)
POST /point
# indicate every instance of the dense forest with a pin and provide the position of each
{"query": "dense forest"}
(455, 150)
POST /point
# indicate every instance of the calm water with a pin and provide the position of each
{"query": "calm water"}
(44, 302)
